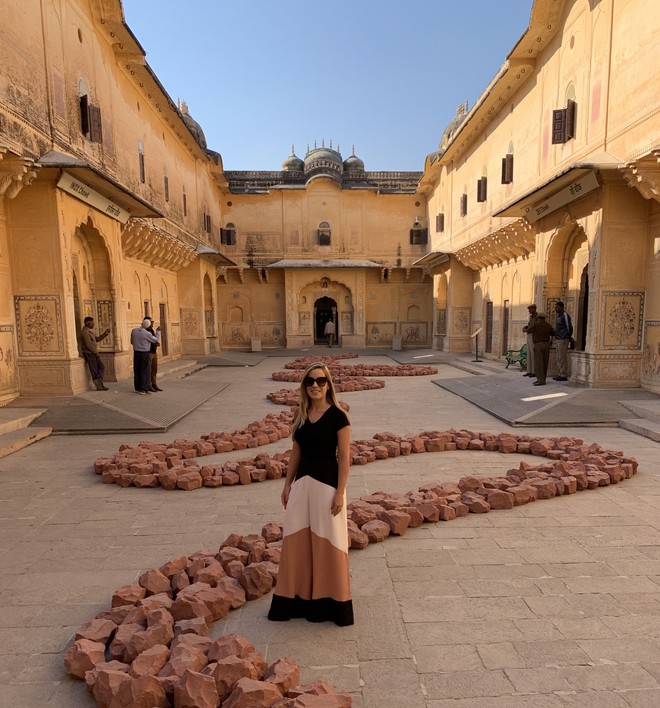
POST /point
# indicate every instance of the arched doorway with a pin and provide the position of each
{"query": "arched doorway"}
(583, 310)
(325, 308)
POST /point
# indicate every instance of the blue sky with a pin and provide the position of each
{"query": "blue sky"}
(384, 75)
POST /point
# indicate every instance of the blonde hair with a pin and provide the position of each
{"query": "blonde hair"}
(330, 395)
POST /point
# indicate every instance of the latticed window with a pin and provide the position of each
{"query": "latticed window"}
(563, 123)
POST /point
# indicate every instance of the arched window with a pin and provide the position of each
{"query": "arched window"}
(324, 233)
(228, 235)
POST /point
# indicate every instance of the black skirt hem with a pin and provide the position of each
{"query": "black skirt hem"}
(324, 609)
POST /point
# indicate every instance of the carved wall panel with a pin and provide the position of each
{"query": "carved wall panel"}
(651, 351)
(414, 333)
(304, 323)
(191, 322)
(622, 317)
(39, 325)
(104, 318)
(441, 321)
(236, 334)
(8, 377)
(346, 326)
(461, 319)
(271, 333)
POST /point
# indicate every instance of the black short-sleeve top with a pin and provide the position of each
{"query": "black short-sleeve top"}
(318, 446)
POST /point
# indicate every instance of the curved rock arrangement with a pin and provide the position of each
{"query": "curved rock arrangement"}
(291, 397)
(152, 647)
(302, 362)
(341, 373)
(173, 465)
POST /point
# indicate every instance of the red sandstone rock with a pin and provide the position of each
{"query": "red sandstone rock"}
(182, 658)
(154, 581)
(122, 637)
(249, 693)
(210, 574)
(449, 513)
(142, 692)
(193, 640)
(314, 688)
(197, 626)
(175, 566)
(107, 685)
(92, 674)
(96, 630)
(180, 581)
(229, 554)
(398, 521)
(230, 645)
(150, 661)
(499, 499)
(196, 690)
(217, 602)
(475, 503)
(82, 656)
(127, 595)
(228, 671)
(272, 532)
(523, 494)
(233, 591)
(356, 538)
(284, 673)
(189, 480)
(376, 530)
(189, 607)
(469, 484)
(256, 580)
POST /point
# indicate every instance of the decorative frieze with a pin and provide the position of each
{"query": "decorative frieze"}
(150, 244)
(651, 351)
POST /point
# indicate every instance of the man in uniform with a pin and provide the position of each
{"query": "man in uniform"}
(533, 316)
(542, 331)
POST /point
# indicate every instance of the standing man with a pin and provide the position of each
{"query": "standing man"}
(541, 333)
(142, 339)
(153, 358)
(563, 334)
(533, 316)
(90, 351)
(329, 331)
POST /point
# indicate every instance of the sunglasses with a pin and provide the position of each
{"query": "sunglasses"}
(321, 381)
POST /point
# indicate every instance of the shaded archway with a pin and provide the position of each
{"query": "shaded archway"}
(325, 308)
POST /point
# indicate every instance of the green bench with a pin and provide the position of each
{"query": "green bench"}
(517, 356)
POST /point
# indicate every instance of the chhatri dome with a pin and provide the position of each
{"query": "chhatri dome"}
(193, 126)
(293, 163)
(453, 126)
(353, 163)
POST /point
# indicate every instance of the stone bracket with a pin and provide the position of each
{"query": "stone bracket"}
(15, 173)
(150, 244)
(644, 175)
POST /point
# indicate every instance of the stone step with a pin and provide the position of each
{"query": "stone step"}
(16, 418)
(18, 439)
(180, 369)
(646, 428)
(650, 410)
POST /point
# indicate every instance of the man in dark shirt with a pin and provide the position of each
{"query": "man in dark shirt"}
(153, 359)
(541, 333)
(563, 334)
(90, 351)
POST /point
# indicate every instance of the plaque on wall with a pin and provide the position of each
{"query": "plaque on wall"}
(39, 325)
(622, 318)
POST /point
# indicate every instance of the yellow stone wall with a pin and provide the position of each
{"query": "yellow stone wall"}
(596, 252)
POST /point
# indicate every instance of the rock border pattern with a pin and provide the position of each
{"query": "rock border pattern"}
(152, 647)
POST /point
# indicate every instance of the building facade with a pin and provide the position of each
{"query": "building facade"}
(113, 206)
(548, 189)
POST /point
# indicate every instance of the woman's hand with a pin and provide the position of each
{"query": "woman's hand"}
(285, 495)
(337, 503)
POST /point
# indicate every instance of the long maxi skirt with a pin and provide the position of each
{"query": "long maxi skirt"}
(313, 578)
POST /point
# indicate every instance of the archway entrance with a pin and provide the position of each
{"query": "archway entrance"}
(582, 311)
(325, 308)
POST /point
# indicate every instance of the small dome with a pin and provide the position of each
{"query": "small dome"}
(193, 126)
(353, 163)
(453, 126)
(293, 163)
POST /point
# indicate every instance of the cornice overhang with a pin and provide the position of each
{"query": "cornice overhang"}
(508, 242)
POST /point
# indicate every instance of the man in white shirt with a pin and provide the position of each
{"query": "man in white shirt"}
(142, 339)
(329, 332)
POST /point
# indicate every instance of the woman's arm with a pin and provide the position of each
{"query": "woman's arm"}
(344, 460)
(291, 470)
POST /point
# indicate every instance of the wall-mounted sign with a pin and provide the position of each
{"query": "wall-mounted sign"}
(575, 190)
(90, 196)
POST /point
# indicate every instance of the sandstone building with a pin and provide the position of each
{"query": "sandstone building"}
(112, 205)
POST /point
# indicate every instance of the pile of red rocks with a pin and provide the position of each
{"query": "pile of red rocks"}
(174, 465)
(152, 648)
(291, 397)
(343, 372)
(302, 362)
(570, 466)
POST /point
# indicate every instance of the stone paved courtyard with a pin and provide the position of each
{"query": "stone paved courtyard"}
(548, 605)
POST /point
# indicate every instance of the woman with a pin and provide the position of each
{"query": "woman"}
(313, 580)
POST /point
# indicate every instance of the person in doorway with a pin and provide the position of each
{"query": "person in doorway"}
(563, 334)
(533, 316)
(542, 332)
(329, 331)
(313, 579)
(142, 339)
(153, 359)
(90, 351)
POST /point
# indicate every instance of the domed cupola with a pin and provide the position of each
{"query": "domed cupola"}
(193, 126)
(353, 164)
(323, 161)
(293, 163)
(453, 126)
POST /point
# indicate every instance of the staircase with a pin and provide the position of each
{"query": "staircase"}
(14, 431)
(648, 421)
